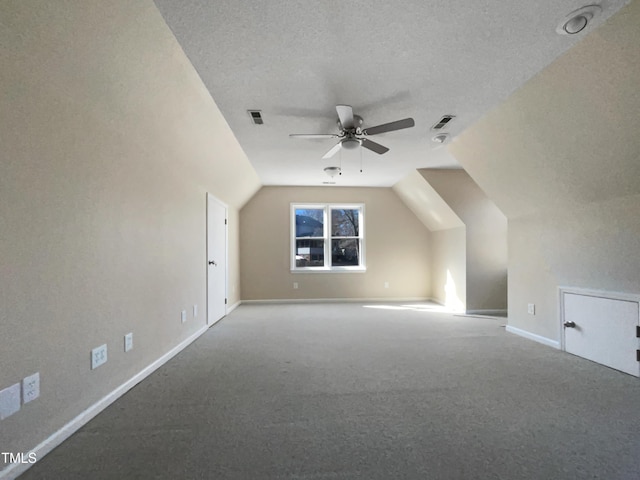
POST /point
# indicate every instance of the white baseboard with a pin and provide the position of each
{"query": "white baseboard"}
(14, 470)
(233, 307)
(499, 312)
(335, 300)
(533, 336)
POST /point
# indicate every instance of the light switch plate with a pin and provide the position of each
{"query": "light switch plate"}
(128, 342)
(183, 316)
(9, 401)
(31, 387)
(195, 311)
(531, 308)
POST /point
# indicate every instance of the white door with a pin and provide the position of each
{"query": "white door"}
(216, 259)
(602, 330)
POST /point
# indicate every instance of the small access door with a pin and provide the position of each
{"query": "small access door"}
(602, 329)
(216, 259)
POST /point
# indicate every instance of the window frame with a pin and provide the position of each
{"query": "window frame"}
(327, 237)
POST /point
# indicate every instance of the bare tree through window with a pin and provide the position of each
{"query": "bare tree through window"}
(345, 242)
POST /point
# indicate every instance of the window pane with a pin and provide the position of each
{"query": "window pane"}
(344, 223)
(309, 222)
(309, 253)
(345, 252)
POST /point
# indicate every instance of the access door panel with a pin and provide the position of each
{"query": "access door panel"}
(602, 330)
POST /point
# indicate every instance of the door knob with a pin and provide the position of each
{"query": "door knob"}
(570, 324)
(211, 262)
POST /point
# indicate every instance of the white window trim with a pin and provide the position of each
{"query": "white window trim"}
(327, 238)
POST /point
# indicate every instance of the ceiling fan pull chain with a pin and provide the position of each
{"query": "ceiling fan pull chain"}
(360, 160)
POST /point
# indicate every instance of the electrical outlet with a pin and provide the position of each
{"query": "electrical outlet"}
(386, 284)
(128, 342)
(9, 401)
(531, 309)
(98, 356)
(31, 387)
(183, 316)
(195, 311)
(295, 285)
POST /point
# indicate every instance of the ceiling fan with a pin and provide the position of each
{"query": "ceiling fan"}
(352, 135)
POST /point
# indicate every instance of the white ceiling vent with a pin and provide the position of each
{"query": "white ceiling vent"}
(443, 122)
(256, 116)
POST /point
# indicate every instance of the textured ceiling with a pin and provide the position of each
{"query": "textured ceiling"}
(389, 59)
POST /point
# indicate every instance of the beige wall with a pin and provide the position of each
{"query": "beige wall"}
(561, 157)
(486, 238)
(109, 145)
(397, 247)
(449, 267)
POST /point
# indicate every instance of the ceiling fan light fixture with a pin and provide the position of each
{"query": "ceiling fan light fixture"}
(332, 171)
(577, 21)
(350, 143)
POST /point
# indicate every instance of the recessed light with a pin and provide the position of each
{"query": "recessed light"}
(576, 24)
(578, 20)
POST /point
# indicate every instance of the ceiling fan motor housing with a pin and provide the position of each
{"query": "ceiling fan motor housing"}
(357, 123)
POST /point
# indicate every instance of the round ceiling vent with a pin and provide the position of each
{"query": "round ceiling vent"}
(578, 20)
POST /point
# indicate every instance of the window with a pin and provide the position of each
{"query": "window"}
(327, 237)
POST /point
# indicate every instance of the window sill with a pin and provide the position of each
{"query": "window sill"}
(329, 270)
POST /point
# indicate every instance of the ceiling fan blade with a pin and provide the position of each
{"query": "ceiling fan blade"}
(345, 114)
(374, 147)
(390, 127)
(313, 135)
(333, 151)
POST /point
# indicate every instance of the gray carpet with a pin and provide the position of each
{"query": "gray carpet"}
(340, 391)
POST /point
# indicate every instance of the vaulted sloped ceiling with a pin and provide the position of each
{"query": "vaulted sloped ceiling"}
(426, 203)
(569, 137)
(389, 59)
